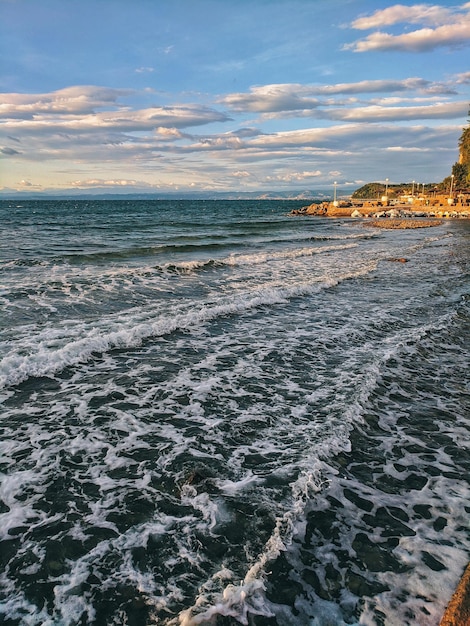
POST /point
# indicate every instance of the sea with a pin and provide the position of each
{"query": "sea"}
(214, 412)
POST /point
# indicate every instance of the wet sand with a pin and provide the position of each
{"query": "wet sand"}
(458, 609)
(403, 223)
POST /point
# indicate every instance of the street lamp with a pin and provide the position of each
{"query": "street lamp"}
(335, 202)
(411, 198)
(450, 199)
(385, 197)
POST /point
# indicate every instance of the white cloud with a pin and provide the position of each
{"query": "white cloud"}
(241, 174)
(97, 182)
(380, 113)
(124, 120)
(421, 40)
(81, 99)
(282, 97)
(94, 140)
(76, 109)
(294, 176)
(441, 27)
(279, 98)
(399, 13)
(27, 185)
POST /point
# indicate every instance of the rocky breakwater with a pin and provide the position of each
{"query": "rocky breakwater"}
(396, 217)
(404, 212)
(326, 209)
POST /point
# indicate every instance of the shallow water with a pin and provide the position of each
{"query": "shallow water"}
(213, 412)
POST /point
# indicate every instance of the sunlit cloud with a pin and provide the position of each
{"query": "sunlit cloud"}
(83, 99)
(441, 27)
(294, 176)
(241, 174)
(169, 146)
(78, 109)
(380, 113)
(302, 98)
(399, 13)
(179, 113)
(98, 182)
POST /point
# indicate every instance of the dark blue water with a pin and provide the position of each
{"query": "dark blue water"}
(215, 413)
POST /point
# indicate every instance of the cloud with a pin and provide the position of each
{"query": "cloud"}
(241, 174)
(463, 78)
(98, 182)
(340, 141)
(101, 142)
(83, 99)
(380, 113)
(270, 98)
(399, 13)
(294, 176)
(169, 135)
(422, 40)
(441, 27)
(120, 121)
(8, 151)
(76, 109)
(29, 186)
(278, 98)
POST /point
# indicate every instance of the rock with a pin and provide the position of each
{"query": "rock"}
(356, 213)
(398, 260)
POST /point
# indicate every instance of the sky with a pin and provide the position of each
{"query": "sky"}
(180, 96)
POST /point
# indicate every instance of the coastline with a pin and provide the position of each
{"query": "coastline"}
(395, 217)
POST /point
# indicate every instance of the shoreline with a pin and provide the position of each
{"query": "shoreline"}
(396, 217)
(457, 612)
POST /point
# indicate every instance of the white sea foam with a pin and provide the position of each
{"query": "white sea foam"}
(248, 596)
(180, 474)
(49, 357)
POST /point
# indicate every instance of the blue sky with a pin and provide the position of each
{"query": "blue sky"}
(223, 95)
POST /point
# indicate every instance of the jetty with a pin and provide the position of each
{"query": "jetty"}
(421, 207)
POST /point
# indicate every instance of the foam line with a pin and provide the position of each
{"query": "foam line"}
(248, 597)
(16, 368)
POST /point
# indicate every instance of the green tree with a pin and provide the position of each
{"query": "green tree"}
(461, 169)
(460, 172)
(464, 146)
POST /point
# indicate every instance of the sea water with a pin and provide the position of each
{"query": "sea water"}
(215, 413)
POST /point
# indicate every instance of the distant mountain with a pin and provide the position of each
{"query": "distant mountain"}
(307, 195)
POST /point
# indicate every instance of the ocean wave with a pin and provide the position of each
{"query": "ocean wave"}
(52, 351)
(240, 599)
(256, 258)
